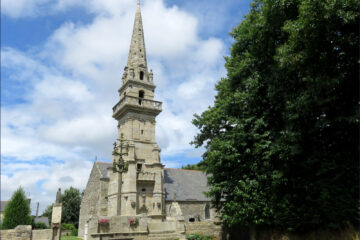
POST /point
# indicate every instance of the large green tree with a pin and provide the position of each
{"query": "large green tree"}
(17, 211)
(282, 137)
(71, 200)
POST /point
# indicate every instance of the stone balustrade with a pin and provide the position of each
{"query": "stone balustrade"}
(135, 101)
(145, 176)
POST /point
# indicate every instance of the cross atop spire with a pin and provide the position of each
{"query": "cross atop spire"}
(137, 53)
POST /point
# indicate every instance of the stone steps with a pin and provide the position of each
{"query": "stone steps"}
(121, 238)
(166, 236)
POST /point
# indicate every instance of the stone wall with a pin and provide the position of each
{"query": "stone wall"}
(206, 228)
(193, 210)
(42, 234)
(21, 232)
(90, 202)
(24, 232)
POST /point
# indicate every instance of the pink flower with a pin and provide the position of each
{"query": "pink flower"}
(133, 221)
(104, 220)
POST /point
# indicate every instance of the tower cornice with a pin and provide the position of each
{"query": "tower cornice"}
(147, 85)
(135, 104)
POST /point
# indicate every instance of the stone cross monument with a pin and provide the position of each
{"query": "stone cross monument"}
(56, 217)
(136, 184)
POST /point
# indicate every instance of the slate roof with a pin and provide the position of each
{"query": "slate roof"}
(44, 220)
(103, 168)
(188, 185)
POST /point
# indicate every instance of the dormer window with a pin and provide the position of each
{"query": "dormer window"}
(141, 75)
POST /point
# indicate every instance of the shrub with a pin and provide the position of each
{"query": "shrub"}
(198, 236)
(74, 232)
(67, 226)
(39, 225)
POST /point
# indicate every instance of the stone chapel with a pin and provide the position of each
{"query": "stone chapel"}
(135, 197)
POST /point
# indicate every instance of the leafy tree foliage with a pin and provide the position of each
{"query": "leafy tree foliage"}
(39, 225)
(48, 212)
(281, 138)
(197, 166)
(17, 211)
(71, 200)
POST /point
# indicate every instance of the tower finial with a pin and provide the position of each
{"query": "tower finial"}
(137, 53)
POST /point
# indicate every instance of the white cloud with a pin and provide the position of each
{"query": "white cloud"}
(66, 118)
(60, 88)
(21, 8)
(170, 33)
(84, 129)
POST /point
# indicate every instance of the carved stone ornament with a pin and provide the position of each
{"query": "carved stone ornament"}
(133, 204)
(58, 196)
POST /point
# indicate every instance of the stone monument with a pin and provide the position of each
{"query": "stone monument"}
(134, 196)
(56, 217)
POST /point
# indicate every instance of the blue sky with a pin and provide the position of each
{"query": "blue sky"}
(61, 66)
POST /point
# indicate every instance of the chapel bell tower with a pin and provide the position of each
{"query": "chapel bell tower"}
(136, 187)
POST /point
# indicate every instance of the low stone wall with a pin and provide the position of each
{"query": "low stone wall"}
(65, 232)
(21, 232)
(24, 232)
(205, 227)
(42, 234)
(159, 227)
(7, 234)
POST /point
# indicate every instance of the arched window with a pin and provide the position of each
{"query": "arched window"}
(141, 75)
(207, 211)
(141, 96)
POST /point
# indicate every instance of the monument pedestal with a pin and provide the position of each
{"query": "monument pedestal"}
(56, 221)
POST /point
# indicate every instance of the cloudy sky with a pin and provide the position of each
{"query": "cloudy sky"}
(61, 66)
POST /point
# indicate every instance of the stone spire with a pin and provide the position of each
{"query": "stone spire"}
(137, 53)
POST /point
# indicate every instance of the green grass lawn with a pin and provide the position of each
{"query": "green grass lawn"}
(70, 238)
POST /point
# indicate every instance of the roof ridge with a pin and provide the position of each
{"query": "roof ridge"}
(184, 169)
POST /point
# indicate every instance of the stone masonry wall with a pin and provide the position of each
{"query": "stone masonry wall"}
(21, 232)
(24, 232)
(42, 234)
(90, 202)
(193, 209)
(206, 228)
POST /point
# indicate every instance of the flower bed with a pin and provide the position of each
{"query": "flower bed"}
(133, 221)
(104, 221)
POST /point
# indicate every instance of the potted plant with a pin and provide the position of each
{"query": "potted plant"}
(104, 225)
(133, 222)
